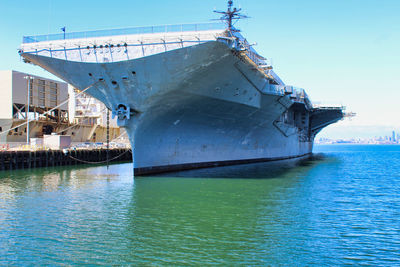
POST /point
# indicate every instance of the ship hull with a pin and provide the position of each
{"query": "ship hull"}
(199, 132)
(195, 107)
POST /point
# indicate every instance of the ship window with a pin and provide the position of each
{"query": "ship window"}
(114, 82)
(101, 46)
(90, 74)
(125, 44)
(94, 47)
(106, 46)
(111, 45)
(134, 72)
(124, 78)
(118, 45)
(88, 47)
(1, 129)
(101, 79)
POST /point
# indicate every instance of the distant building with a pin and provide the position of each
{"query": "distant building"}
(394, 136)
(15, 105)
(44, 102)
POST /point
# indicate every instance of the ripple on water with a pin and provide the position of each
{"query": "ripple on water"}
(340, 208)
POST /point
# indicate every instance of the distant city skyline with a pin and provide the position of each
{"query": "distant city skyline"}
(392, 138)
(341, 52)
(344, 129)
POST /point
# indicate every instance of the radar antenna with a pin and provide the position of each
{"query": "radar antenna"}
(231, 15)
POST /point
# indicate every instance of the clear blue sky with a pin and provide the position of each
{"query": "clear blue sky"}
(340, 51)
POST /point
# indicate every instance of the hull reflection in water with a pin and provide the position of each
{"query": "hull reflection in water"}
(260, 170)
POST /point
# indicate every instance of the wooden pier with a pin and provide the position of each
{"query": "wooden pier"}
(13, 160)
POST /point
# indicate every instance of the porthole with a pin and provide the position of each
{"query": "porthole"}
(90, 74)
(134, 72)
(114, 82)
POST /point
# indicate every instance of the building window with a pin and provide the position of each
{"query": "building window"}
(30, 84)
(42, 93)
(53, 94)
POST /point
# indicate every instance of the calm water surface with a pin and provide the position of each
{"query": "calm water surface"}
(343, 207)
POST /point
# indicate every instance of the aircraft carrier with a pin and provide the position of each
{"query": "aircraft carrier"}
(190, 96)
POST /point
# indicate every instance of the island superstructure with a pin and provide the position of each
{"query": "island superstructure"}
(189, 96)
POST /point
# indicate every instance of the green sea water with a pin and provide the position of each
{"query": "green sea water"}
(342, 207)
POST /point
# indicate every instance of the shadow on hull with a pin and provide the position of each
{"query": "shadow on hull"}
(262, 170)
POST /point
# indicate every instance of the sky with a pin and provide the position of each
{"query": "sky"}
(340, 51)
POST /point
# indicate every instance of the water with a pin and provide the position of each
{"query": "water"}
(343, 207)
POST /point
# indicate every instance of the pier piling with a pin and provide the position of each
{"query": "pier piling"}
(12, 160)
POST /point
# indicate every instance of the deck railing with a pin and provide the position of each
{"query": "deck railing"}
(126, 31)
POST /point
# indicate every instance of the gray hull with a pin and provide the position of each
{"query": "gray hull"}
(199, 131)
(197, 106)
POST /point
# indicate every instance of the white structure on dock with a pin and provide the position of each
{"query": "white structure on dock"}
(87, 110)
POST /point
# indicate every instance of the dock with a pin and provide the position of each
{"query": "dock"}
(23, 159)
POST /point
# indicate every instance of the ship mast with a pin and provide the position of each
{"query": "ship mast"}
(231, 15)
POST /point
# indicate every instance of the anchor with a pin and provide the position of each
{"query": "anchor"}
(123, 113)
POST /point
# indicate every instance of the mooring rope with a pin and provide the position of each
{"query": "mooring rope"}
(99, 162)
